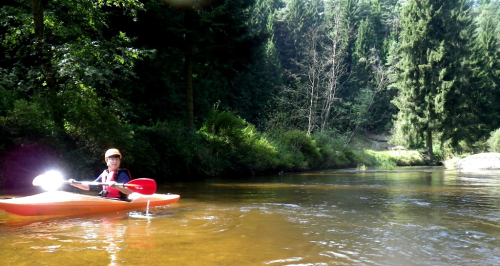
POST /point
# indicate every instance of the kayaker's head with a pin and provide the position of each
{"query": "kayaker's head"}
(112, 158)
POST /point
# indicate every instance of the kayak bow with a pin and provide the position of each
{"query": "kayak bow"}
(67, 203)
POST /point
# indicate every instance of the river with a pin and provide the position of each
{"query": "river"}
(407, 216)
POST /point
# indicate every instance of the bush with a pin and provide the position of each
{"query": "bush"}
(223, 133)
(224, 127)
(386, 164)
(262, 152)
(494, 141)
(166, 150)
(331, 144)
(306, 152)
(235, 145)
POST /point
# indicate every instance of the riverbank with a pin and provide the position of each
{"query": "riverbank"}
(388, 160)
(478, 162)
(225, 146)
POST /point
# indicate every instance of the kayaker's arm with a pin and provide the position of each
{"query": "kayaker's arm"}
(79, 185)
(122, 178)
(85, 186)
(121, 188)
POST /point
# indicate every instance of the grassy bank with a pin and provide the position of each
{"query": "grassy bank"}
(388, 160)
(227, 145)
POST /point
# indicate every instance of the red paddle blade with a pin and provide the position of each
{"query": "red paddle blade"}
(146, 186)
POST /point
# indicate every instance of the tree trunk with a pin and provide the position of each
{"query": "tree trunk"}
(38, 19)
(335, 63)
(428, 144)
(314, 72)
(188, 69)
(333, 77)
(311, 110)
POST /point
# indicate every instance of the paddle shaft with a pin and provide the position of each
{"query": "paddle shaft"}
(94, 183)
(121, 187)
(146, 186)
(141, 185)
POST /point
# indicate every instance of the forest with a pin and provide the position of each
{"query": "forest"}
(193, 89)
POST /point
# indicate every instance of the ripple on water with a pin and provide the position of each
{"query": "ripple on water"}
(384, 219)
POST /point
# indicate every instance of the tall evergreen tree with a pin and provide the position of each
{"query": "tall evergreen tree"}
(252, 91)
(432, 82)
(486, 64)
(293, 23)
(365, 42)
(368, 48)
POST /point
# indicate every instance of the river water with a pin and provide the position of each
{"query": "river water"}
(407, 216)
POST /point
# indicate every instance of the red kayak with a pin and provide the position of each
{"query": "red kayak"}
(67, 203)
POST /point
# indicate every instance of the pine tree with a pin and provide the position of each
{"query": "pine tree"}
(293, 23)
(486, 65)
(365, 42)
(432, 82)
(253, 91)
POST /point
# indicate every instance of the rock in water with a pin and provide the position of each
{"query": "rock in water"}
(481, 161)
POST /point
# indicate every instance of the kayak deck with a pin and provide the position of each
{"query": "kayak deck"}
(67, 203)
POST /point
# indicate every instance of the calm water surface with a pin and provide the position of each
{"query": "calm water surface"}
(409, 216)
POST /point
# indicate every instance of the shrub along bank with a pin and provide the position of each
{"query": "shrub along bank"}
(225, 145)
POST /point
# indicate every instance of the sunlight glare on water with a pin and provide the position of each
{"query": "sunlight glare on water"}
(409, 216)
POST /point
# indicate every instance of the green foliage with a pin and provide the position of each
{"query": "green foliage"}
(235, 145)
(7, 97)
(306, 153)
(223, 132)
(111, 73)
(388, 160)
(91, 124)
(494, 141)
(297, 21)
(166, 152)
(434, 95)
(264, 154)
(224, 127)
(486, 68)
(362, 48)
(404, 134)
(387, 165)
(254, 90)
(361, 167)
(27, 118)
(330, 144)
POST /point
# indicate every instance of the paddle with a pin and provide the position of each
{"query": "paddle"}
(144, 186)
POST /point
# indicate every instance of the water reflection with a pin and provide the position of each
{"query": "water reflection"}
(411, 216)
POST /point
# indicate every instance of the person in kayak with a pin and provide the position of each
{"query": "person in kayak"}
(111, 176)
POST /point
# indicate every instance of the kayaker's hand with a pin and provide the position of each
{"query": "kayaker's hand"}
(112, 184)
(71, 181)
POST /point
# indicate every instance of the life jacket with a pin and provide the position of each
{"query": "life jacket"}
(108, 176)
